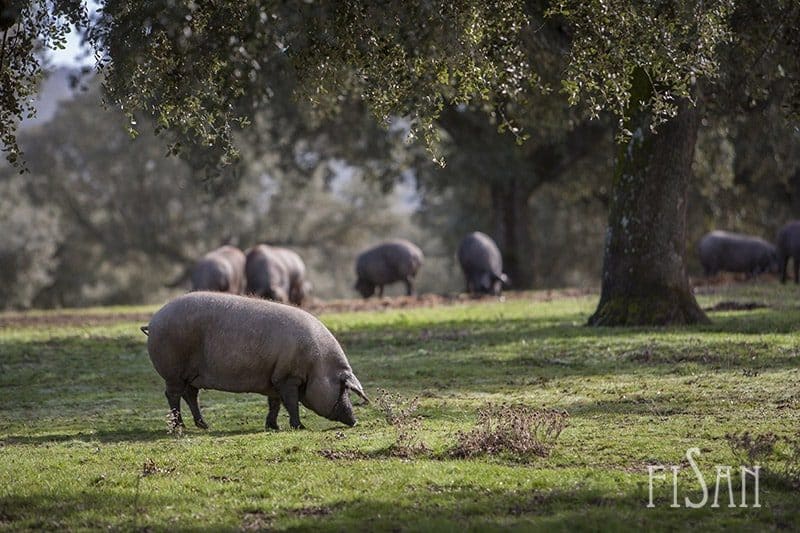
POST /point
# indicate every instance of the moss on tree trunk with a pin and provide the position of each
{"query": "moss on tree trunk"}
(644, 269)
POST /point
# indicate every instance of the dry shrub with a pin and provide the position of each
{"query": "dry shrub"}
(516, 430)
(400, 413)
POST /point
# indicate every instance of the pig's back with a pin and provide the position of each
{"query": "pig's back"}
(232, 343)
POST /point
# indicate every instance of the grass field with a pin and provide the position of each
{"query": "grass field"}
(84, 441)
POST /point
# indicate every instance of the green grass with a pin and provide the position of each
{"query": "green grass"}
(84, 445)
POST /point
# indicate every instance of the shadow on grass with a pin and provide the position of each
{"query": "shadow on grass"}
(95, 508)
(468, 507)
(481, 356)
(486, 333)
(124, 435)
(584, 501)
(430, 507)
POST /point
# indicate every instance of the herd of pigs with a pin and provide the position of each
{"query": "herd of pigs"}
(279, 274)
(722, 251)
(217, 338)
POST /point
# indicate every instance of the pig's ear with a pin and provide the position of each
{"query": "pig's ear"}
(351, 382)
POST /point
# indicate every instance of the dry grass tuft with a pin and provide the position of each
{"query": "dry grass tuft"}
(257, 520)
(343, 455)
(401, 414)
(516, 430)
(150, 468)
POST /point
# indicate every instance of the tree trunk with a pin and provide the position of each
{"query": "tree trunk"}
(511, 216)
(644, 267)
(794, 182)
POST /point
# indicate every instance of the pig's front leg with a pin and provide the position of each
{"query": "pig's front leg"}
(290, 396)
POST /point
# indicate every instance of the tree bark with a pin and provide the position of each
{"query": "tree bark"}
(511, 216)
(644, 268)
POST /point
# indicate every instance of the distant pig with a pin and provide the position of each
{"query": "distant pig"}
(734, 252)
(220, 270)
(385, 263)
(207, 340)
(481, 264)
(277, 274)
(789, 247)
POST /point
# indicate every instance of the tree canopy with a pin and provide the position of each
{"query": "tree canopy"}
(202, 68)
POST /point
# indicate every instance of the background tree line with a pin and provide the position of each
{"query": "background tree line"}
(104, 219)
(670, 81)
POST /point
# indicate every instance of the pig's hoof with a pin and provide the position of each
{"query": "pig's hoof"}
(299, 426)
(201, 423)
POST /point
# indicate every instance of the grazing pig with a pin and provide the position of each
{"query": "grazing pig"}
(789, 247)
(482, 264)
(207, 340)
(387, 262)
(734, 252)
(276, 273)
(220, 270)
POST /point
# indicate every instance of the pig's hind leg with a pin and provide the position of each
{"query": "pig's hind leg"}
(409, 281)
(796, 264)
(272, 415)
(190, 396)
(173, 394)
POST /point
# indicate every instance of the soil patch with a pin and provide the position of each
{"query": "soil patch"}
(435, 300)
(95, 317)
(70, 319)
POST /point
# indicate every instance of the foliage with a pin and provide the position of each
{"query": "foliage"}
(523, 195)
(171, 60)
(413, 58)
(760, 66)
(676, 43)
(467, 69)
(28, 243)
(124, 226)
(28, 27)
(131, 220)
(125, 230)
(201, 70)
